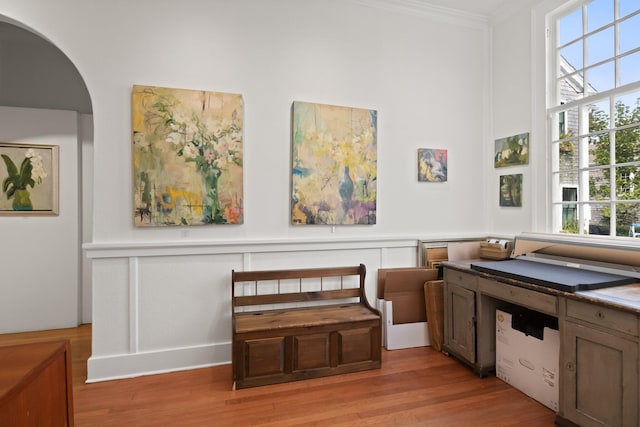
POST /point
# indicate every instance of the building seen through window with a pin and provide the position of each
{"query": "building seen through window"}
(594, 108)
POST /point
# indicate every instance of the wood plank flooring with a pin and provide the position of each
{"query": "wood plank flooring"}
(415, 387)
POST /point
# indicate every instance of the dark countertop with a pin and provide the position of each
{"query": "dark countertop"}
(624, 297)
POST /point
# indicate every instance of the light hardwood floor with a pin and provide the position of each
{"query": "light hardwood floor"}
(414, 387)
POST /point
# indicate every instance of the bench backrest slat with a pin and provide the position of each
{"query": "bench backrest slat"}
(252, 276)
(254, 279)
(295, 297)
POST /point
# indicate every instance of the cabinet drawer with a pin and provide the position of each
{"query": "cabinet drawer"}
(602, 316)
(466, 280)
(521, 296)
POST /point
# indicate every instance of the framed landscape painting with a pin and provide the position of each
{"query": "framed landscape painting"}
(29, 177)
(187, 157)
(512, 151)
(334, 165)
(511, 190)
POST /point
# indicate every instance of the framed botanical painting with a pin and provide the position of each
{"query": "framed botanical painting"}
(187, 157)
(432, 165)
(29, 177)
(334, 165)
(511, 190)
(512, 151)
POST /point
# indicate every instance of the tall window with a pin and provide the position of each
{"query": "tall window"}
(594, 109)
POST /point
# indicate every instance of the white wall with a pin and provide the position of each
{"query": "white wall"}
(511, 115)
(518, 106)
(425, 77)
(425, 73)
(39, 255)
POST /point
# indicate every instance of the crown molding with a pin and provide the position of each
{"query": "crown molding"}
(510, 8)
(424, 9)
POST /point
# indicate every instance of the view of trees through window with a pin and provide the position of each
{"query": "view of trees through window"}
(595, 118)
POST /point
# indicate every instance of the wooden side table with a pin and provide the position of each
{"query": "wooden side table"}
(36, 385)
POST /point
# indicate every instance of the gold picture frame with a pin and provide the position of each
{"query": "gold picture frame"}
(29, 179)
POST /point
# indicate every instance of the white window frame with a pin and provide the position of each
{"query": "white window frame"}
(555, 105)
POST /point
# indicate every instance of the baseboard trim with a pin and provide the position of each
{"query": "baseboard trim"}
(119, 366)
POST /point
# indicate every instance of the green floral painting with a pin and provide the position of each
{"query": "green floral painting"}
(187, 157)
(29, 178)
(334, 165)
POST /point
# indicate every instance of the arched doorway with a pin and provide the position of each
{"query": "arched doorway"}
(44, 100)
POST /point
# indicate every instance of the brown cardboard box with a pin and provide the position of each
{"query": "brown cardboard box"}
(382, 275)
(434, 301)
(434, 256)
(405, 288)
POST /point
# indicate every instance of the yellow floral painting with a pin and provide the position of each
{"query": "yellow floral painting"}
(334, 165)
(187, 157)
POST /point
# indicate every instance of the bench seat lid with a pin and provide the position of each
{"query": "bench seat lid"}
(255, 321)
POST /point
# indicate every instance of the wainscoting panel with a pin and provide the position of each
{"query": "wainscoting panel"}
(161, 307)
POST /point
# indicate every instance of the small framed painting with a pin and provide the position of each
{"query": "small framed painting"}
(432, 165)
(29, 178)
(511, 190)
(511, 151)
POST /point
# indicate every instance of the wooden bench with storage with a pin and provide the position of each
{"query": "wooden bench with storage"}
(297, 324)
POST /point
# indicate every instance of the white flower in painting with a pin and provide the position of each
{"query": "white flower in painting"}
(37, 172)
(189, 151)
(191, 132)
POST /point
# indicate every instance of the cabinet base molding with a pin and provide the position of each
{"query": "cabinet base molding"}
(563, 422)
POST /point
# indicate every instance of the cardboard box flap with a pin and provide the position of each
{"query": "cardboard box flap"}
(382, 275)
(405, 288)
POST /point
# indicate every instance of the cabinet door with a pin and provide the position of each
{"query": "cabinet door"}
(600, 377)
(460, 316)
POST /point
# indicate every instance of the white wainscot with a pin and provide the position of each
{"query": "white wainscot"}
(162, 307)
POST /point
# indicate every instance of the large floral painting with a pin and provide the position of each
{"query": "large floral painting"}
(29, 178)
(334, 168)
(187, 157)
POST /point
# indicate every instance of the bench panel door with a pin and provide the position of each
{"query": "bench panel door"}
(311, 352)
(354, 345)
(264, 357)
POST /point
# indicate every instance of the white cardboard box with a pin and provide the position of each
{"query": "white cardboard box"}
(527, 363)
(404, 335)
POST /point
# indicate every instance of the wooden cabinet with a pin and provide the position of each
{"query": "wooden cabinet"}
(460, 315)
(471, 302)
(461, 328)
(35, 385)
(599, 366)
(302, 353)
(599, 381)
